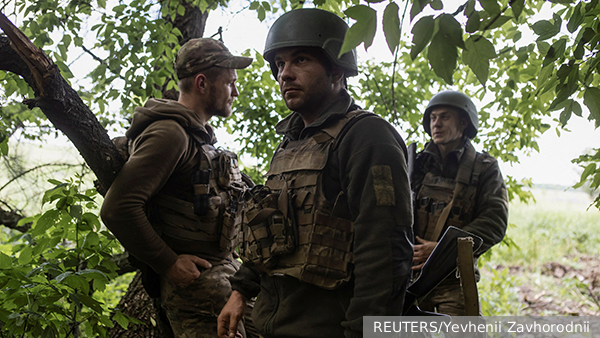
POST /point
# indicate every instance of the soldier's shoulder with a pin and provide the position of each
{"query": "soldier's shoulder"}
(485, 157)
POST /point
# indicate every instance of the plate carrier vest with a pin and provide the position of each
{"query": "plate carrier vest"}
(289, 227)
(442, 202)
(214, 216)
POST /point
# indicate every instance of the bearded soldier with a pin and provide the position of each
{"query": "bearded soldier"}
(456, 186)
(327, 239)
(174, 204)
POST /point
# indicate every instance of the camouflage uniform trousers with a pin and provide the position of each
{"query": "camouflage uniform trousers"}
(193, 309)
(446, 298)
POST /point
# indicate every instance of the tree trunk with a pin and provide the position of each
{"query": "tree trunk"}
(136, 304)
(67, 112)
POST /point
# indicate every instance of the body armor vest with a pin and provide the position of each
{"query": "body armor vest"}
(289, 227)
(443, 202)
(214, 215)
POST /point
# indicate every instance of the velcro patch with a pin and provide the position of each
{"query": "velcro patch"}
(383, 185)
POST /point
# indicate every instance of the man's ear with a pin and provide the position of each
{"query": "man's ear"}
(337, 75)
(200, 83)
(464, 123)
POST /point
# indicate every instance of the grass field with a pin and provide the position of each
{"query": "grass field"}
(550, 262)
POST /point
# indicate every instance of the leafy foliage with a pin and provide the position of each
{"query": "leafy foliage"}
(50, 276)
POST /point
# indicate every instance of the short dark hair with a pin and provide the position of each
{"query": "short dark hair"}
(211, 74)
(328, 64)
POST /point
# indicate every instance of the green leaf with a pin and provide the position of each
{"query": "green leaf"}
(25, 256)
(91, 239)
(451, 30)
(442, 56)
(591, 98)
(121, 319)
(254, 5)
(261, 14)
(4, 146)
(576, 18)
(422, 32)
(91, 219)
(47, 220)
(391, 26)
(576, 108)
(477, 55)
(417, 7)
(102, 3)
(181, 10)
(490, 6)
(437, 5)
(5, 261)
(90, 302)
(363, 30)
(517, 7)
(473, 23)
(565, 115)
(62, 276)
(557, 50)
(75, 211)
(49, 331)
(545, 29)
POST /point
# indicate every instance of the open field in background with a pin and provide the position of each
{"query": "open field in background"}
(552, 264)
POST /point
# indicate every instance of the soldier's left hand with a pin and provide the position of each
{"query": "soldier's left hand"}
(422, 251)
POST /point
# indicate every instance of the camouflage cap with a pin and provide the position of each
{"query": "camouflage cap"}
(200, 54)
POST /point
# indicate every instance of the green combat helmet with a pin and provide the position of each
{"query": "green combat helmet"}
(457, 100)
(311, 27)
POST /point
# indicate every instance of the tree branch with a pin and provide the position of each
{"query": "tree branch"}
(62, 105)
(10, 219)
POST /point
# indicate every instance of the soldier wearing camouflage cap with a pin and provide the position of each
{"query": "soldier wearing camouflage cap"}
(454, 185)
(173, 205)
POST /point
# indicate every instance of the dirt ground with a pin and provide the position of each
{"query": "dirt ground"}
(565, 290)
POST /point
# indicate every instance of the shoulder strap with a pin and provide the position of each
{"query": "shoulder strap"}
(463, 177)
(353, 117)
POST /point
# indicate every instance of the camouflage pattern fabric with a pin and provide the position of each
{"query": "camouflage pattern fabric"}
(193, 309)
(200, 54)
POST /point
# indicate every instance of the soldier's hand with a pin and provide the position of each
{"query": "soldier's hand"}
(185, 270)
(231, 315)
(422, 251)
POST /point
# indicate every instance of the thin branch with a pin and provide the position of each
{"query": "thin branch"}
(379, 90)
(36, 168)
(460, 9)
(395, 111)
(102, 62)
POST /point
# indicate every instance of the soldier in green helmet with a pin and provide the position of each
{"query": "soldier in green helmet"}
(453, 185)
(327, 239)
(173, 205)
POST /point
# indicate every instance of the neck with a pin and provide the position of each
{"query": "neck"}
(197, 107)
(448, 147)
(311, 114)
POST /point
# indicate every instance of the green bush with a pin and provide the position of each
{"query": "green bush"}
(52, 278)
